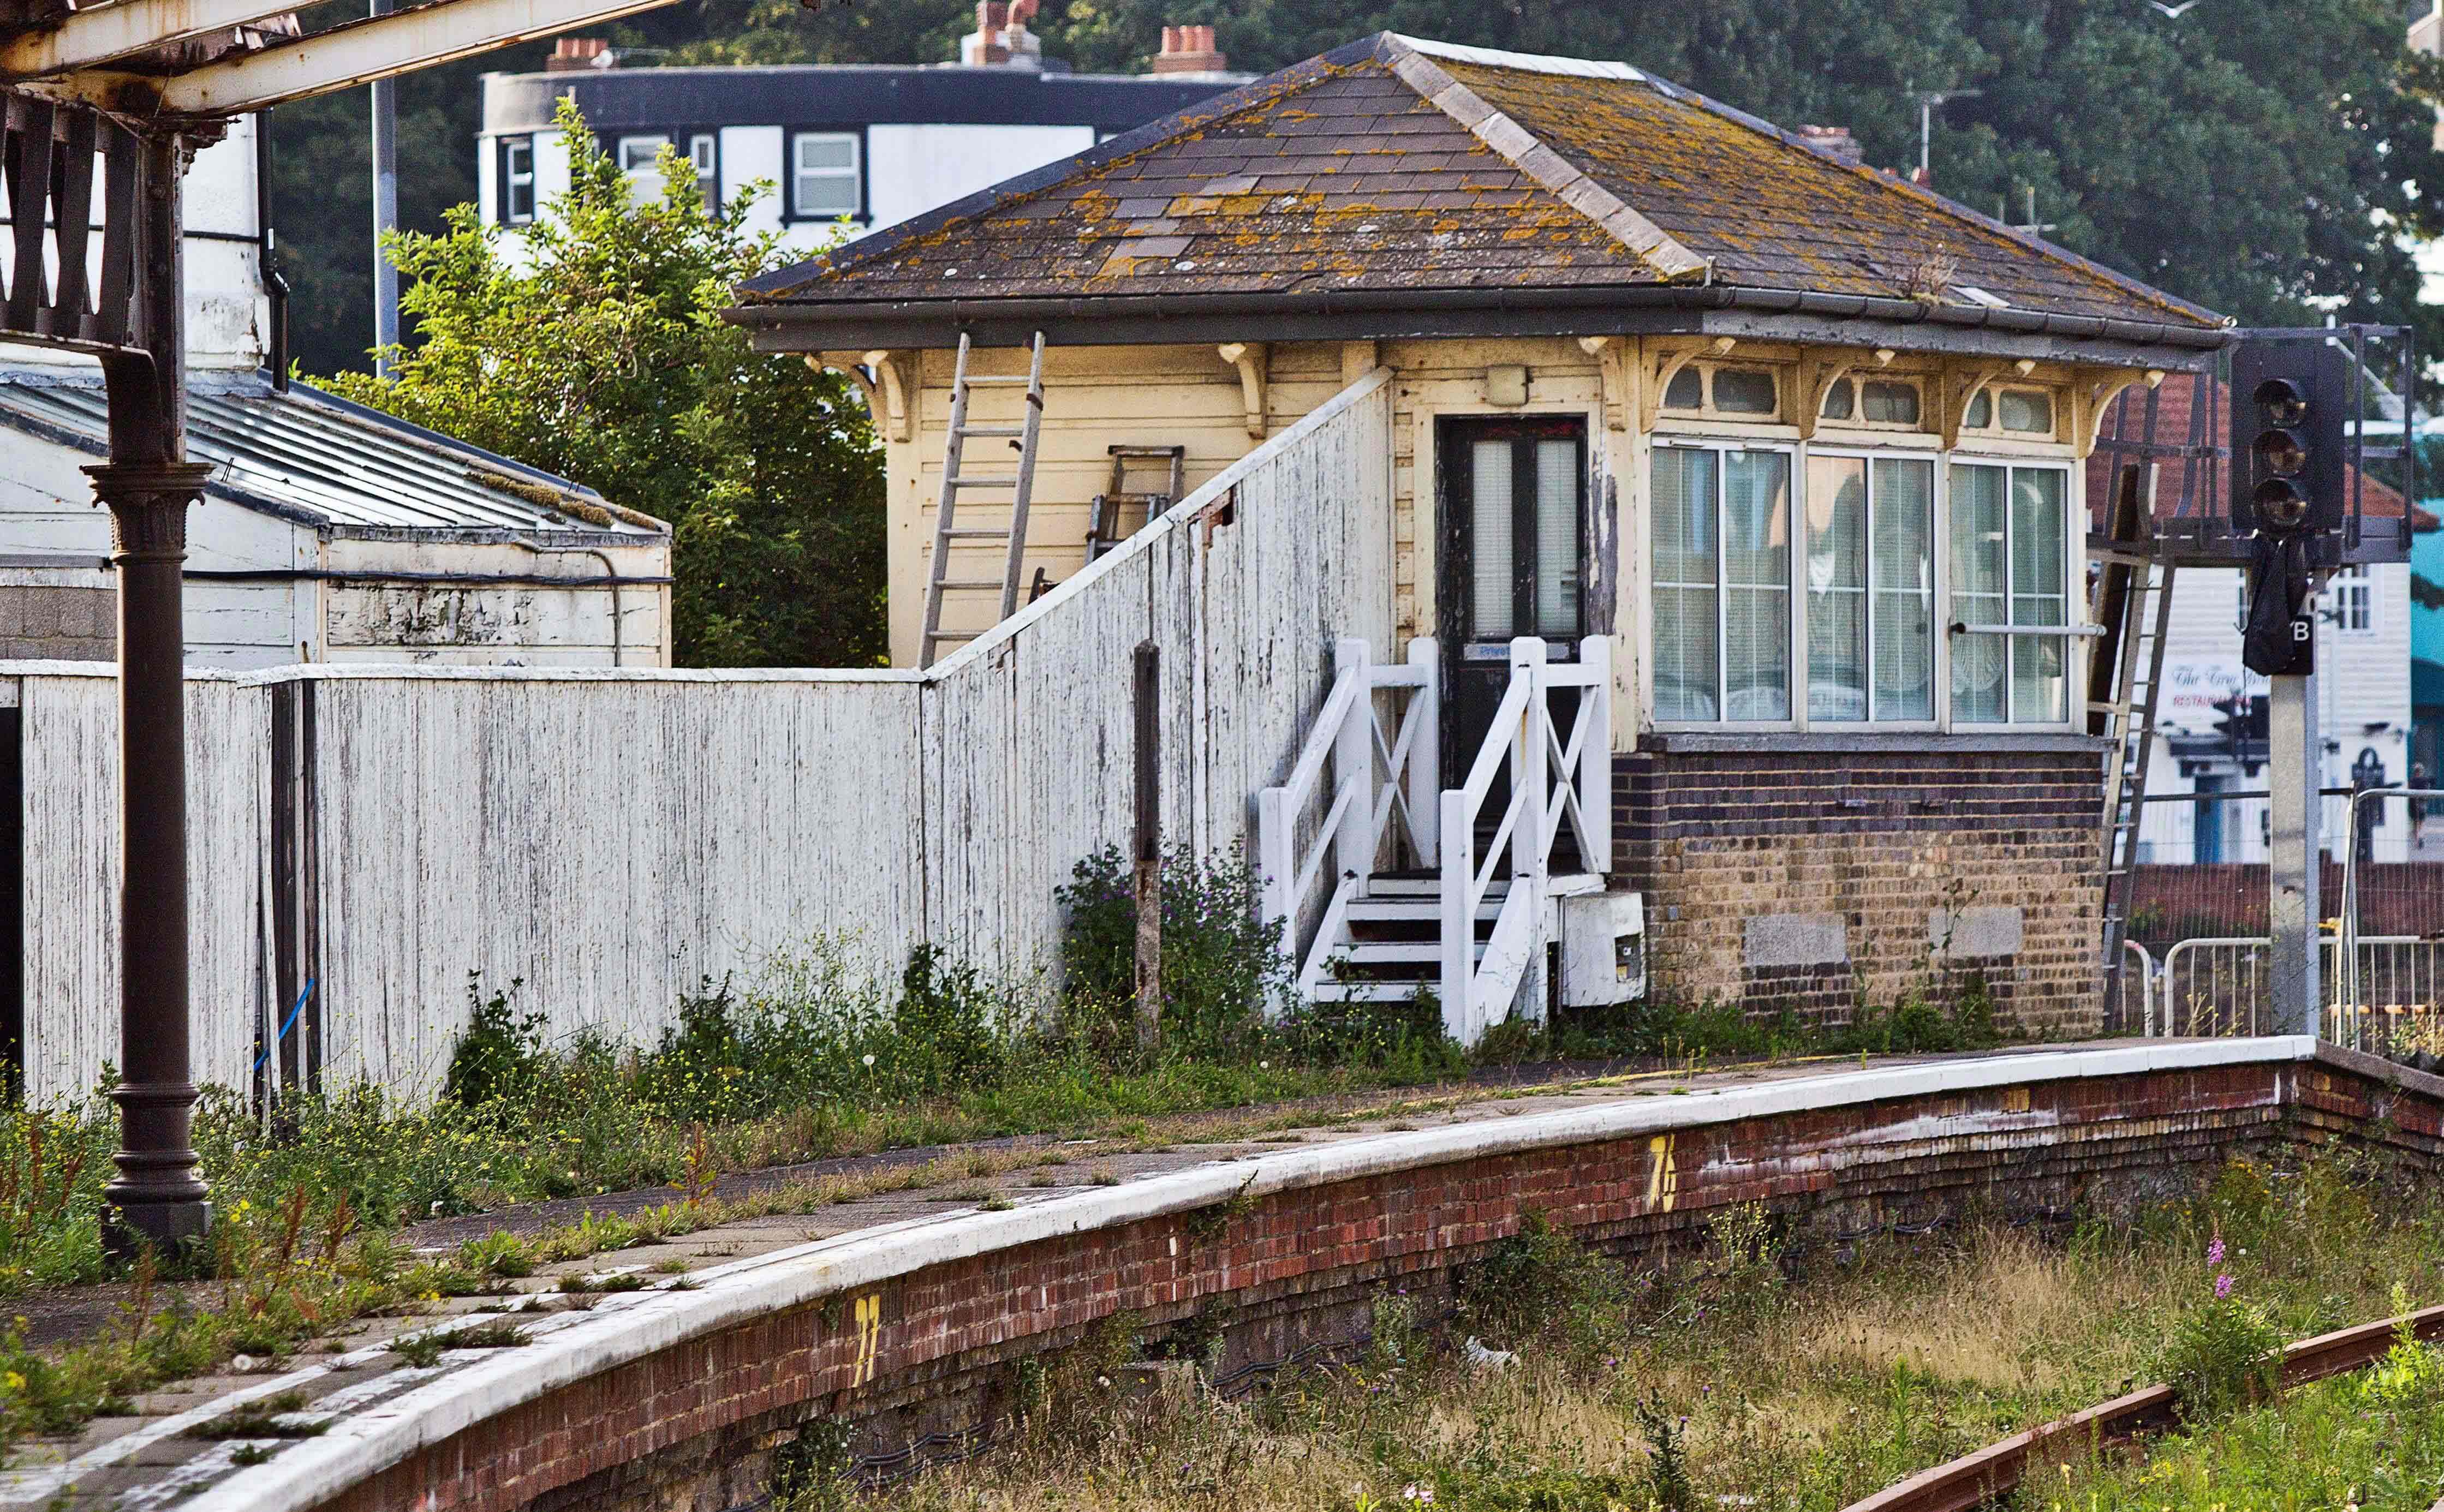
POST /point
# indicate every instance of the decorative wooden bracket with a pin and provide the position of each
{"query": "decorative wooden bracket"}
(1249, 357)
(2093, 400)
(1816, 381)
(886, 403)
(895, 372)
(1670, 357)
(1965, 392)
(1612, 377)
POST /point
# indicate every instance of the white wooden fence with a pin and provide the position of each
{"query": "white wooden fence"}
(611, 837)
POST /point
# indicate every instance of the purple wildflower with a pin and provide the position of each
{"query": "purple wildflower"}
(2215, 1252)
(2222, 1287)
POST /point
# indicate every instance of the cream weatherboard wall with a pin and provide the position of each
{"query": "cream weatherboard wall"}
(614, 838)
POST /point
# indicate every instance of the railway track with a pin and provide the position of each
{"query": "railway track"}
(2000, 1466)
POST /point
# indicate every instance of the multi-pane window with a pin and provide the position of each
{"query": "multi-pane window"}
(1722, 584)
(1872, 401)
(1720, 389)
(2351, 598)
(2010, 570)
(1815, 598)
(1870, 588)
(823, 176)
(1542, 599)
(2010, 411)
(517, 180)
(704, 155)
(640, 157)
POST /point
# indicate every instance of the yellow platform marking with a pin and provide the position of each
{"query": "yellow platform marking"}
(1663, 1177)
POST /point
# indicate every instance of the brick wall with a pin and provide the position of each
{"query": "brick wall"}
(1805, 880)
(691, 1427)
(58, 622)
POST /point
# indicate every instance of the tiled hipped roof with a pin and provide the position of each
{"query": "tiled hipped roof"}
(1394, 165)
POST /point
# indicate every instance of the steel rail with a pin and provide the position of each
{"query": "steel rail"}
(1998, 1468)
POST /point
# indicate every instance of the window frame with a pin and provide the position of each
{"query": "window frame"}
(2072, 633)
(1938, 662)
(1993, 429)
(707, 168)
(793, 211)
(2353, 584)
(1706, 367)
(1856, 419)
(507, 182)
(1794, 643)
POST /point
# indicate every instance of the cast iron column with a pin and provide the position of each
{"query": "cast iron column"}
(157, 1198)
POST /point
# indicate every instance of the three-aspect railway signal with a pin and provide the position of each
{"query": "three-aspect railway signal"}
(2290, 407)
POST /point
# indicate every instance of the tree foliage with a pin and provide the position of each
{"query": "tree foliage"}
(2258, 157)
(599, 353)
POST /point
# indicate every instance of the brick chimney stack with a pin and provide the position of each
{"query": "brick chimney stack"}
(1189, 50)
(1835, 142)
(1001, 39)
(578, 54)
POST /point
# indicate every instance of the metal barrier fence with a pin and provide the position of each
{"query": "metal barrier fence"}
(2199, 919)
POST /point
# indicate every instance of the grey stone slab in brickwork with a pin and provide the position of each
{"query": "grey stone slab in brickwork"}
(1978, 931)
(1796, 939)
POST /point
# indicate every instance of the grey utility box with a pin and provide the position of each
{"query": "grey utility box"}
(1604, 948)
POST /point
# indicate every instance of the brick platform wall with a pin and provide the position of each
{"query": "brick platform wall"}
(692, 1428)
(1805, 880)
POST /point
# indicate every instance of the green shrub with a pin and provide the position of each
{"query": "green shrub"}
(501, 1058)
(1222, 963)
(1541, 1280)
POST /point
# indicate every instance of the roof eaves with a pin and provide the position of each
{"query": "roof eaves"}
(784, 284)
(1520, 148)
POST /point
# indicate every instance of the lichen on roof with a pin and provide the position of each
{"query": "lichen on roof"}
(1391, 165)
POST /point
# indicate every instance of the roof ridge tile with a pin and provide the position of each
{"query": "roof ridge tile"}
(1549, 169)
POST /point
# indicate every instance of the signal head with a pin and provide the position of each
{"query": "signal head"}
(2280, 506)
(2283, 402)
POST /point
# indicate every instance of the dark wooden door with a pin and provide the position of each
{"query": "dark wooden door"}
(1513, 495)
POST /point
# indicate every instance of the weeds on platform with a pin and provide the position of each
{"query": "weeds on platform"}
(1757, 1368)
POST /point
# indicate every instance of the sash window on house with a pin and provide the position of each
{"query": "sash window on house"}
(1722, 584)
(1870, 588)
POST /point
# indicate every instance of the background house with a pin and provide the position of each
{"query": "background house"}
(328, 532)
(2211, 711)
(869, 147)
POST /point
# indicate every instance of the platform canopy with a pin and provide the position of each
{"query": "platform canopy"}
(171, 59)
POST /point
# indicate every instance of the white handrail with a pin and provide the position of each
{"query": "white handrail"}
(1555, 778)
(1373, 779)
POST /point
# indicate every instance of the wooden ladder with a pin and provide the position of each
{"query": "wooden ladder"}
(955, 480)
(1103, 529)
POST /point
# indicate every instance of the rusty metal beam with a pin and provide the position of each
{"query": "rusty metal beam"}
(105, 33)
(341, 57)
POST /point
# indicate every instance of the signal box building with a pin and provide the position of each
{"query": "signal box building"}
(1798, 444)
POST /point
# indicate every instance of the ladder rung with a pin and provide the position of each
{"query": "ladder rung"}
(991, 430)
(932, 636)
(976, 533)
(976, 380)
(997, 480)
(994, 584)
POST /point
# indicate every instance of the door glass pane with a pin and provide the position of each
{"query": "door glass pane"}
(1837, 588)
(1492, 559)
(1977, 591)
(1904, 578)
(2038, 593)
(1684, 583)
(1557, 539)
(1756, 575)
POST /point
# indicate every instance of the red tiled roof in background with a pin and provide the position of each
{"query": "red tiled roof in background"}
(2174, 400)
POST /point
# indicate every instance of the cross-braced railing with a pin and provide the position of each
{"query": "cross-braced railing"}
(1557, 772)
(1383, 767)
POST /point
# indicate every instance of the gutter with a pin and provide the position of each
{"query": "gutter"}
(777, 316)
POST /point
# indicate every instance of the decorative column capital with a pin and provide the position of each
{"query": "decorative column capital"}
(148, 505)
